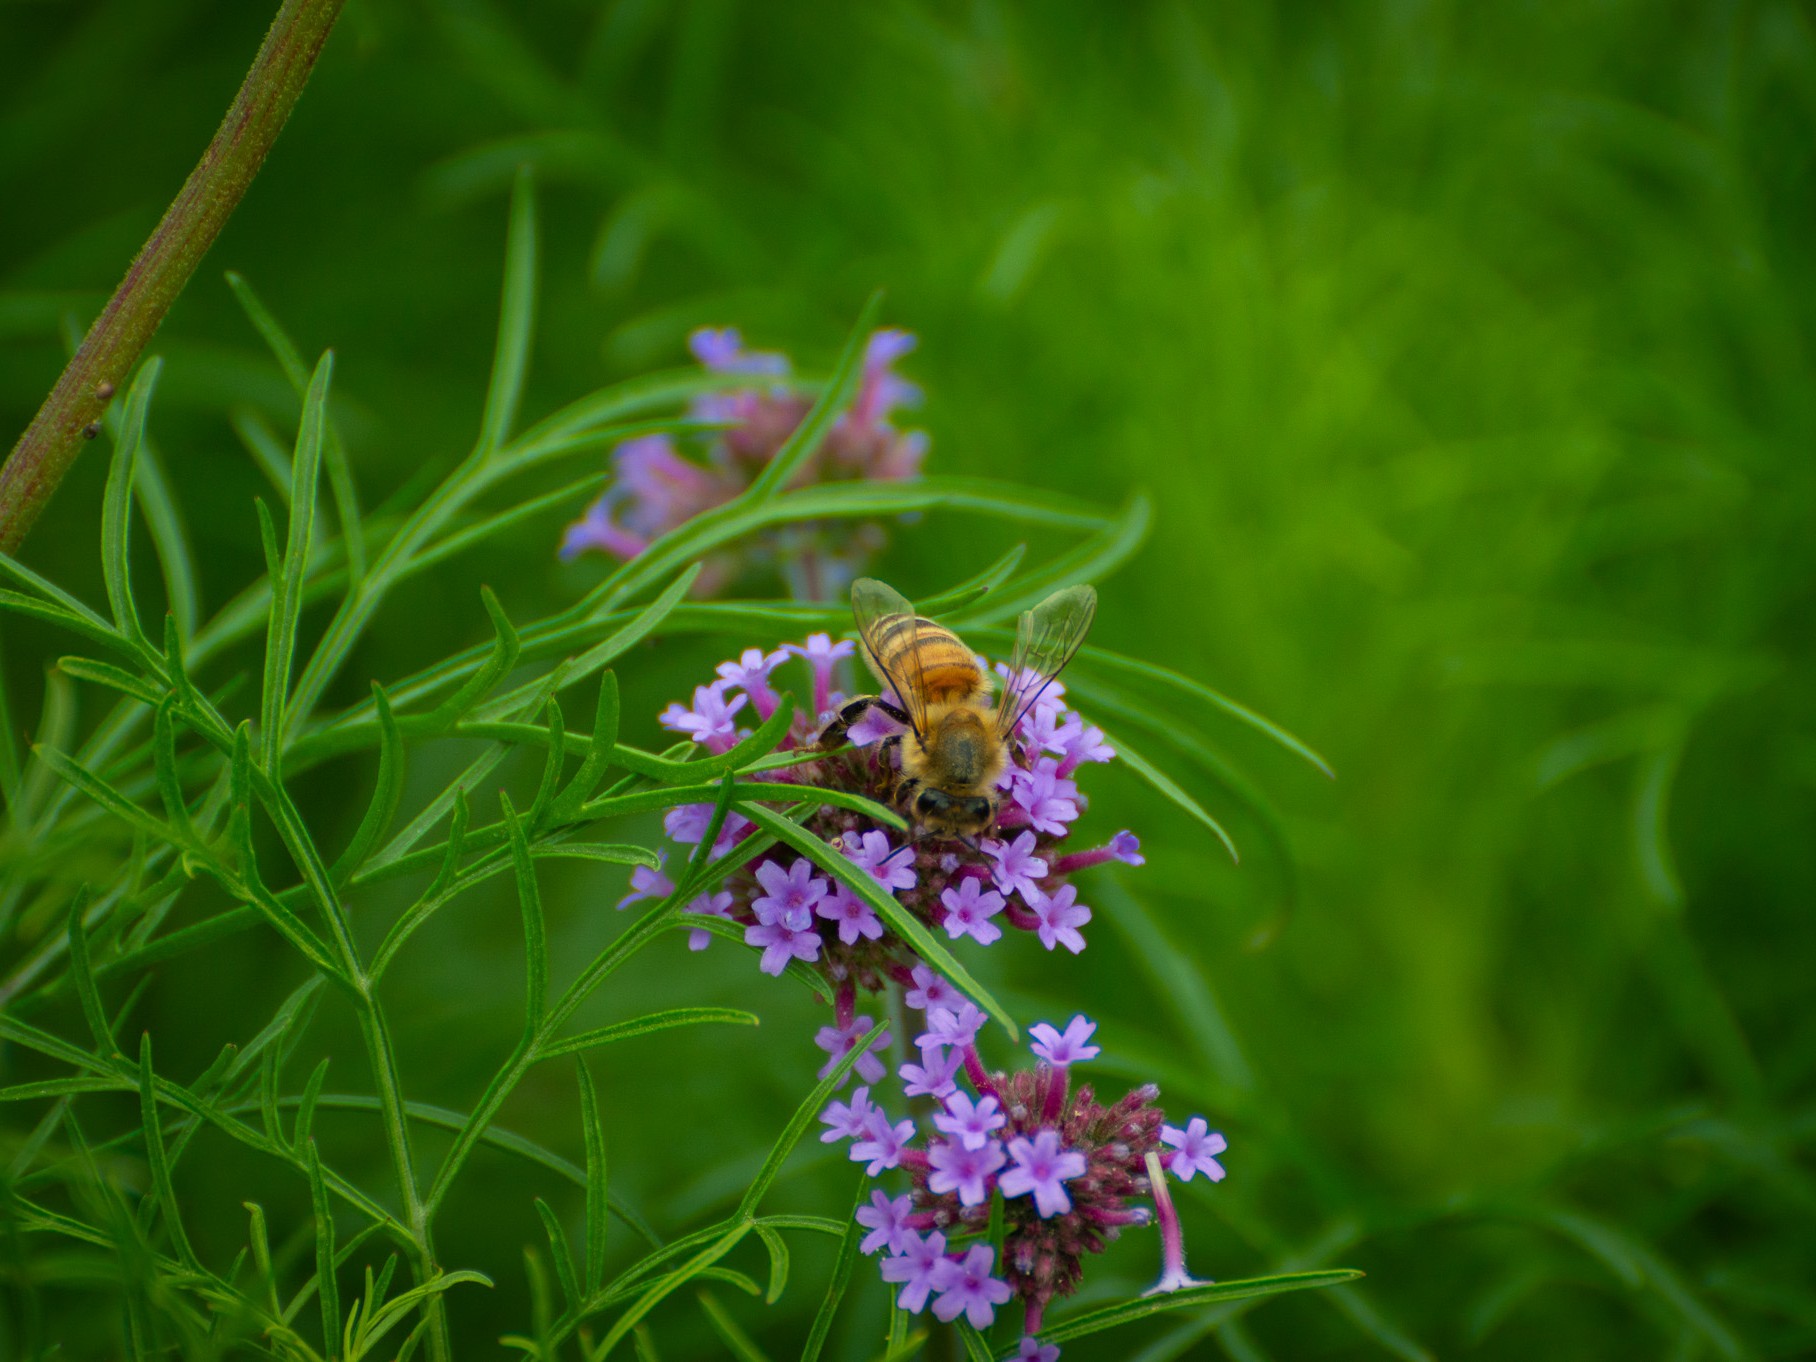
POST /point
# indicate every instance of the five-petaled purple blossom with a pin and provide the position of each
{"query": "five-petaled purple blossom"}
(1070, 1046)
(966, 1171)
(973, 1291)
(969, 909)
(935, 1076)
(887, 1220)
(919, 1265)
(1197, 1147)
(970, 1121)
(1043, 1168)
(1061, 915)
(951, 1027)
(882, 1144)
(849, 1120)
(711, 722)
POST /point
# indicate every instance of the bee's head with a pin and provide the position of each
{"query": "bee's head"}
(965, 817)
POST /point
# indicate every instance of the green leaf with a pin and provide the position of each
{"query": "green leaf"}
(806, 437)
(116, 502)
(114, 678)
(505, 647)
(305, 1111)
(552, 763)
(841, 1277)
(597, 1209)
(287, 582)
(798, 1124)
(609, 853)
(1113, 1316)
(598, 757)
(646, 1025)
(340, 472)
(1167, 786)
(327, 1289)
(82, 975)
(157, 503)
(516, 318)
(976, 1349)
(164, 768)
(898, 918)
(562, 1254)
(778, 1261)
(1115, 664)
(385, 796)
(535, 935)
(154, 1155)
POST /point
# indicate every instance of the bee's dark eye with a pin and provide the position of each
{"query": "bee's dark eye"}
(977, 808)
(931, 802)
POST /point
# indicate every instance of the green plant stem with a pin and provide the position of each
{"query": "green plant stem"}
(72, 413)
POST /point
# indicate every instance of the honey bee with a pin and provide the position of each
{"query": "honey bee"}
(957, 744)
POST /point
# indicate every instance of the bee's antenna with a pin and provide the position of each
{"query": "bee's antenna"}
(969, 841)
(905, 846)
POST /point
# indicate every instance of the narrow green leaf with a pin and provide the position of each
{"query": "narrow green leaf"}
(164, 766)
(645, 1025)
(114, 678)
(1101, 659)
(610, 853)
(340, 473)
(305, 1111)
(49, 591)
(562, 1254)
(9, 744)
(103, 794)
(898, 918)
(327, 1288)
(505, 647)
(551, 766)
(598, 757)
(385, 795)
(154, 1155)
(516, 318)
(261, 1253)
(158, 504)
(778, 1261)
(742, 1345)
(82, 975)
(535, 936)
(116, 502)
(841, 1277)
(1112, 1316)
(287, 583)
(1167, 786)
(268, 1099)
(976, 1349)
(597, 1216)
(806, 437)
(798, 1124)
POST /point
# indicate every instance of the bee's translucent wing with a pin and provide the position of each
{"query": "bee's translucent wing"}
(886, 626)
(1046, 638)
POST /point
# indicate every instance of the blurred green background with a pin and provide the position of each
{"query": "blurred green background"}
(1466, 350)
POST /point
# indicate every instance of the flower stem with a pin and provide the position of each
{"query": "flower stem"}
(71, 415)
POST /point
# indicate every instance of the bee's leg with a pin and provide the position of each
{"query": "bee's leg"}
(890, 745)
(833, 735)
(904, 791)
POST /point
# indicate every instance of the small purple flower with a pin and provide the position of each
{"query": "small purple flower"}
(647, 884)
(1061, 915)
(934, 1076)
(969, 909)
(850, 1120)
(710, 720)
(1043, 1168)
(1197, 1147)
(883, 1149)
(707, 905)
(970, 1122)
(881, 391)
(1069, 1047)
(839, 1041)
(931, 990)
(597, 530)
(887, 1222)
(1017, 867)
(750, 674)
(886, 864)
(921, 1266)
(855, 917)
(789, 896)
(949, 1027)
(1050, 800)
(721, 349)
(1032, 1350)
(965, 1171)
(1125, 846)
(821, 652)
(780, 942)
(973, 1292)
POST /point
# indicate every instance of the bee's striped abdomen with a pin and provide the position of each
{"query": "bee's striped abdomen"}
(947, 669)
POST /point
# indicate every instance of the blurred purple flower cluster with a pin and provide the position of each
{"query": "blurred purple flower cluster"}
(659, 484)
(1065, 1165)
(793, 911)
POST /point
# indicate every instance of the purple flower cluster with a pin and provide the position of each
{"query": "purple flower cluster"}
(792, 911)
(1065, 1165)
(659, 484)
